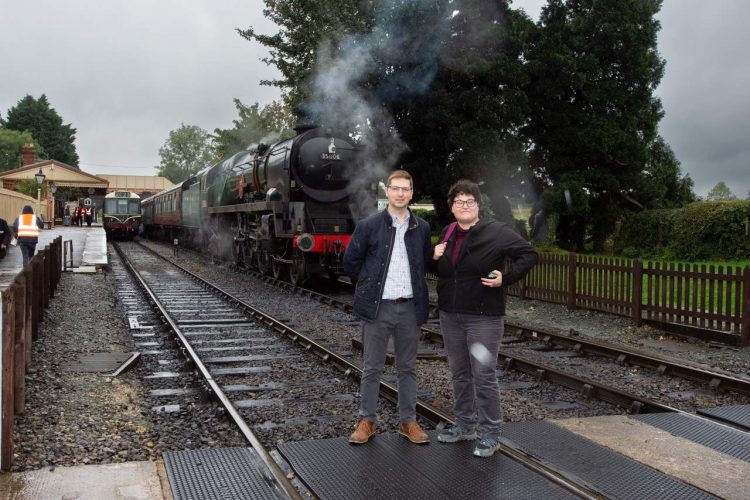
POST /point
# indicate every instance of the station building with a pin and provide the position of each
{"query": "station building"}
(61, 187)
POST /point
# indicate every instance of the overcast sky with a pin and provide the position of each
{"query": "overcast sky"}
(125, 73)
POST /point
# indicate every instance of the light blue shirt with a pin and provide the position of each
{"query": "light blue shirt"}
(398, 277)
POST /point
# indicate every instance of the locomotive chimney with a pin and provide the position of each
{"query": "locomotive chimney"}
(28, 154)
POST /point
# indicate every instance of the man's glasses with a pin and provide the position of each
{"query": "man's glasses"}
(398, 189)
(465, 203)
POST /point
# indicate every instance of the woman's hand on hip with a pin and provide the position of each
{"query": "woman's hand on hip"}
(493, 282)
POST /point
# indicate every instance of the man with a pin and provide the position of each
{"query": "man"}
(386, 259)
(26, 229)
(4, 237)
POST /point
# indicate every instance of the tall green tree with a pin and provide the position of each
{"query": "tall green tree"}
(661, 183)
(431, 86)
(592, 67)
(187, 150)
(254, 125)
(466, 124)
(46, 126)
(720, 192)
(11, 148)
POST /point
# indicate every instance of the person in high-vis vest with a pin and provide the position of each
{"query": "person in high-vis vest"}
(26, 228)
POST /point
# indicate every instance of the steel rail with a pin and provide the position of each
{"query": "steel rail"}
(589, 388)
(277, 475)
(716, 381)
(624, 355)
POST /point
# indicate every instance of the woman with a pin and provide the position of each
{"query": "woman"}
(471, 299)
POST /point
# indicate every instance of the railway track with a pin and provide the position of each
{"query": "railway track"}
(535, 341)
(176, 302)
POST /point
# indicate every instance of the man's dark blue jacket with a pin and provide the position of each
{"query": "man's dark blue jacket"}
(369, 253)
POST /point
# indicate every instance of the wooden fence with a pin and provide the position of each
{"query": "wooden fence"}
(23, 303)
(706, 297)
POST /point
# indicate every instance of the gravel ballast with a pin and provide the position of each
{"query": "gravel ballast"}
(80, 418)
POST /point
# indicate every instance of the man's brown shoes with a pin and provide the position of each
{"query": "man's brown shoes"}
(365, 429)
(414, 433)
(410, 430)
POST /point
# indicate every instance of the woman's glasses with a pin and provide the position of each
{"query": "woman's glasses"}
(465, 203)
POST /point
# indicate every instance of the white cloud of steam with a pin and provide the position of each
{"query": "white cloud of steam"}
(347, 92)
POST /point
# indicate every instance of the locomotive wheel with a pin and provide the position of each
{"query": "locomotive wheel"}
(264, 266)
(277, 268)
(297, 271)
(237, 252)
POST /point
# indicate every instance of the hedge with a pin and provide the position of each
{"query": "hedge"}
(702, 230)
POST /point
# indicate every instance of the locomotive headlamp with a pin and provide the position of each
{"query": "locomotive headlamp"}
(305, 242)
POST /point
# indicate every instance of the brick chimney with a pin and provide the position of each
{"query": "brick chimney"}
(28, 154)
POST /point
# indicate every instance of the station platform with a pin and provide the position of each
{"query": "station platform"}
(667, 455)
(89, 250)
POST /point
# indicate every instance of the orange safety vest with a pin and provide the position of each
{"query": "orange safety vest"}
(27, 227)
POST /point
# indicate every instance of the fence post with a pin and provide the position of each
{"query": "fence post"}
(19, 332)
(745, 331)
(6, 387)
(37, 300)
(57, 262)
(28, 277)
(637, 290)
(46, 285)
(571, 280)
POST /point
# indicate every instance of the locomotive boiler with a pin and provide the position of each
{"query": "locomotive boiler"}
(284, 209)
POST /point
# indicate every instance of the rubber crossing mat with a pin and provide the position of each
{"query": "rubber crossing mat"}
(739, 415)
(388, 466)
(610, 473)
(732, 442)
(217, 473)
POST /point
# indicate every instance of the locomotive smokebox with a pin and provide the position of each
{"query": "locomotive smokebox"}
(325, 162)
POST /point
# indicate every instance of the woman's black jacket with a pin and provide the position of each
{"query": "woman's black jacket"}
(485, 247)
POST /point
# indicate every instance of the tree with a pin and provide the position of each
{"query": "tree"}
(46, 126)
(187, 150)
(720, 192)
(11, 148)
(431, 86)
(254, 125)
(304, 25)
(29, 187)
(466, 124)
(661, 183)
(593, 67)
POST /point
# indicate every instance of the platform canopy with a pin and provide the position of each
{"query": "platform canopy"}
(61, 174)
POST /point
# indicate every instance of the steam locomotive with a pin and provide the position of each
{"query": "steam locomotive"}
(286, 209)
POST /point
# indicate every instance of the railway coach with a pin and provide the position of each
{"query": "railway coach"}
(122, 214)
(286, 209)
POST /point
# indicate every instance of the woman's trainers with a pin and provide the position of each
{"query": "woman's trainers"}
(486, 447)
(454, 433)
